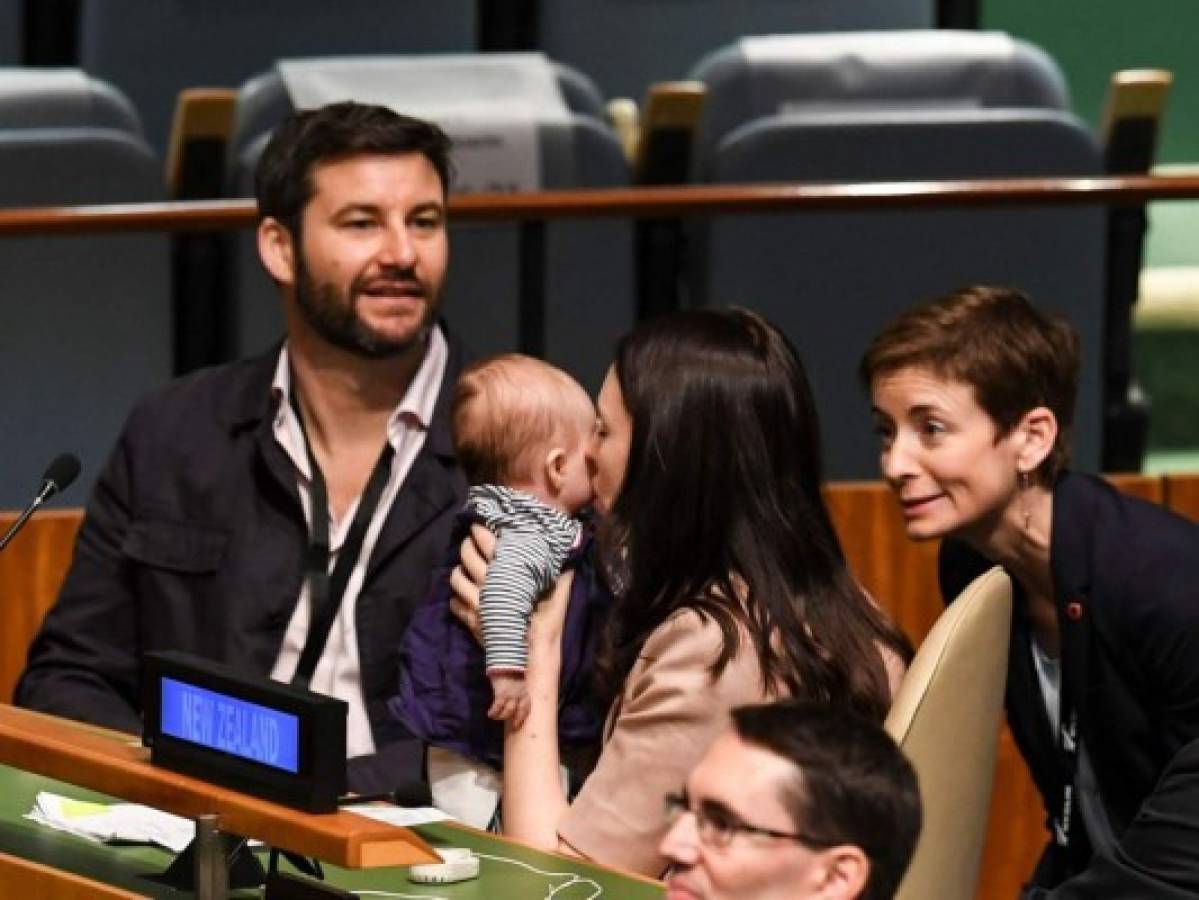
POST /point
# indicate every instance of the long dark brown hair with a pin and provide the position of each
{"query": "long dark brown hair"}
(721, 500)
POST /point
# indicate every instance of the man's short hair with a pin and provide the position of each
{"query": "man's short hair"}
(1014, 356)
(852, 784)
(507, 408)
(283, 179)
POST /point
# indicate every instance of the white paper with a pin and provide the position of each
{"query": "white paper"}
(405, 817)
(491, 105)
(128, 823)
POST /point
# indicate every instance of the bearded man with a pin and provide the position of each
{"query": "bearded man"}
(284, 514)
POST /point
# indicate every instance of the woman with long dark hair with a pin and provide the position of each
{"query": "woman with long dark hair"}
(730, 583)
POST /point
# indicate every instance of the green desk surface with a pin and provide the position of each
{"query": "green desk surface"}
(507, 871)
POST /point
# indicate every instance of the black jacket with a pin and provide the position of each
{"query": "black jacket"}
(1158, 856)
(194, 539)
(1130, 650)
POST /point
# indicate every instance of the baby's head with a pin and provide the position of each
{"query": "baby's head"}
(523, 423)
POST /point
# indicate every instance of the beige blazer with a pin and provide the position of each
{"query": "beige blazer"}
(669, 712)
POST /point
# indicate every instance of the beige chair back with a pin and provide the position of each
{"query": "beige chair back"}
(946, 719)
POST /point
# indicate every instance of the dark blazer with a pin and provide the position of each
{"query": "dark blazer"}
(194, 539)
(1126, 574)
(1158, 856)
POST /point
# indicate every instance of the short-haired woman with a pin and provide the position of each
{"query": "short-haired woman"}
(973, 397)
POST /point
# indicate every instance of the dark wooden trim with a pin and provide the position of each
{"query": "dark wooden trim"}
(644, 202)
(532, 288)
(961, 14)
(200, 215)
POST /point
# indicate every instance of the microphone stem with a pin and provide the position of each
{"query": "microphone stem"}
(45, 492)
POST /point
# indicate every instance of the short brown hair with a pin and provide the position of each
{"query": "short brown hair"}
(506, 409)
(1015, 357)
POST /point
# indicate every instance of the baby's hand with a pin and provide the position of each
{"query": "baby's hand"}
(511, 698)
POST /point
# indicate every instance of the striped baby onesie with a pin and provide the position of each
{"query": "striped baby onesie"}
(532, 543)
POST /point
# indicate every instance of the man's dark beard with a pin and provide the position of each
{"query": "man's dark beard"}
(338, 322)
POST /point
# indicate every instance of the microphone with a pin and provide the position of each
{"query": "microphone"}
(63, 470)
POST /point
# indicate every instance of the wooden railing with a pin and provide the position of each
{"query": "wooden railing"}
(900, 573)
(532, 211)
(643, 202)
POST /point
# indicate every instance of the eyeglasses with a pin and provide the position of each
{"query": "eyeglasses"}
(717, 826)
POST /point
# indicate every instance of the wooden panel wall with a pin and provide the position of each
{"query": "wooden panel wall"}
(32, 568)
(900, 574)
(1182, 494)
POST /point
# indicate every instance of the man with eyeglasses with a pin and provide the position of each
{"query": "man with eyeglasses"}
(796, 800)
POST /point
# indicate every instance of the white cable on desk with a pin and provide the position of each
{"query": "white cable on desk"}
(597, 890)
(574, 879)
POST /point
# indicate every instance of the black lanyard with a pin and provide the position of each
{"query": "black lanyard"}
(1074, 646)
(327, 588)
(1068, 750)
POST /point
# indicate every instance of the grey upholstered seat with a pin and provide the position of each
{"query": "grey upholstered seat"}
(832, 280)
(63, 98)
(588, 272)
(626, 45)
(868, 72)
(152, 50)
(263, 101)
(84, 321)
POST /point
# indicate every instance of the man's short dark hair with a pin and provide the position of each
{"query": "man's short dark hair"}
(852, 784)
(283, 182)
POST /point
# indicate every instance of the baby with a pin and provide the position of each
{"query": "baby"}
(521, 429)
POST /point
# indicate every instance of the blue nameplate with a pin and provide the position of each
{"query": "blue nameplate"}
(259, 736)
(222, 722)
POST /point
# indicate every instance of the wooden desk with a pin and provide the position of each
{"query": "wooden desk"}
(119, 765)
(899, 573)
(38, 862)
